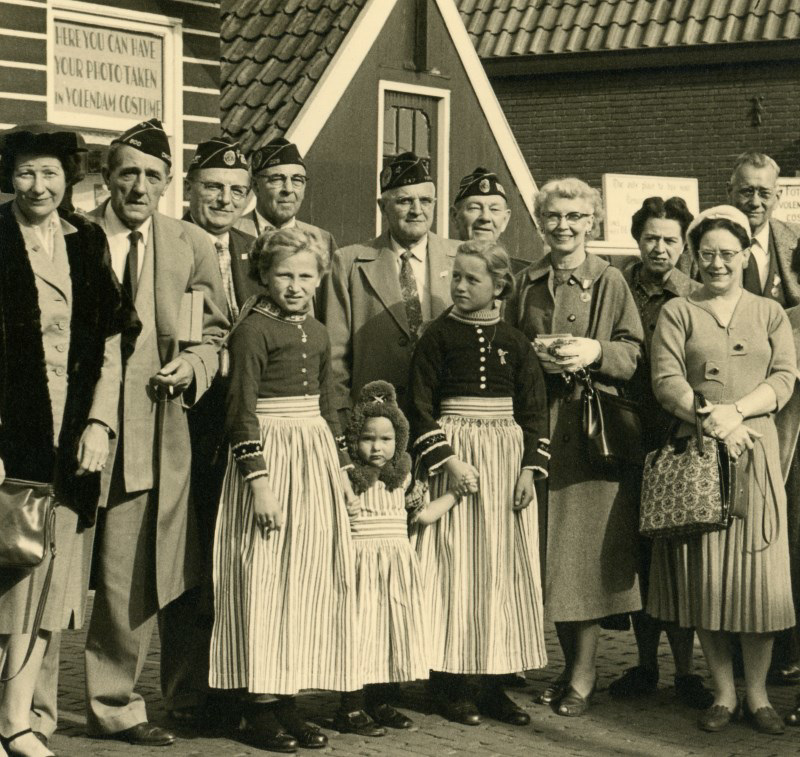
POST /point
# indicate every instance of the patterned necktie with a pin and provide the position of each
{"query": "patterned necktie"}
(751, 280)
(408, 287)
(130, 279)
(224, 260)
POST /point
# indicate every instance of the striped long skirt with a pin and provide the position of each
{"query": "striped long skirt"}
(285, 607)
(480, 561)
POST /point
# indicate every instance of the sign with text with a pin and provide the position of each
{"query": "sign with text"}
(788, 208)
(103, 72)
(623, 195)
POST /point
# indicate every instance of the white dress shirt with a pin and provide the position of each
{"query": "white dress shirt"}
(419, 265)
(262, 224)
(759, 249)
(119, 244)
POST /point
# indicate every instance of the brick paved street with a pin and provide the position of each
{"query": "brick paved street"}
(653, 726)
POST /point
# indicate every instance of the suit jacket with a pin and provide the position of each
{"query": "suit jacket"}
(183, 259)
(783, 281)
(247, 224)
(363, 308)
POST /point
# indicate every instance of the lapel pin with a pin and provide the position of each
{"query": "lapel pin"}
(585, 296)
(244, 256)
(776, 280)
(586, 283)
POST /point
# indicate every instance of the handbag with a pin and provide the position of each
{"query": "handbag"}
(611, 425)
(27, 535)
(692, 485)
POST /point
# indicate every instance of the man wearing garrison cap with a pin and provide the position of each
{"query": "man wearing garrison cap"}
(380, 293)
(147, 551)
(279, 183)
(479, 210)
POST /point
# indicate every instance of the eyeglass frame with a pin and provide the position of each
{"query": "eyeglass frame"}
(215, 189)
(549, 218)
(727, 256)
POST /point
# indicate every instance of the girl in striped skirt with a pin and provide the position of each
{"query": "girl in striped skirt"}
(392, 630)
(479, 416)
(284, 581)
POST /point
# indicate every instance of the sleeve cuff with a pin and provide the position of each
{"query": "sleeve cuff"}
(249, 456)
(432, 449)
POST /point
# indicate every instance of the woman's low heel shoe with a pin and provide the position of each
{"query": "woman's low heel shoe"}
(572, 704)
(5, 742)
(764, 719)
(716, 718)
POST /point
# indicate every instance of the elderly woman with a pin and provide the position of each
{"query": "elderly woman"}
(61, 312)
(659, 228)
(592, 531)
(737, 350)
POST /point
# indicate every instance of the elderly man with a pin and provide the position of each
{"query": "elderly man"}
(279, 184)
(379, 293)
(479, 210)
(146, 553)
(772, 270)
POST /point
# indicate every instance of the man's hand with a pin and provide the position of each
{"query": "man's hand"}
(92, 449)
(175, 377)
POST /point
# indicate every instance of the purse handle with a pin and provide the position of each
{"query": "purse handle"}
(699, 402)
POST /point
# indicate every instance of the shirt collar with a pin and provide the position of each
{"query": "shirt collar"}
(763, 237)
(53, 221)
(419, 249)
(223, 239)
(117, 229)
(585, 274)
(263, 223)
(677, 283)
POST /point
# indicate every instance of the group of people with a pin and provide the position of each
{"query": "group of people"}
(345, 469)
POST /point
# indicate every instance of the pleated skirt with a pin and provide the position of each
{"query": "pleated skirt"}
(480, 561)
(393, 638)
(285, 607)
(735, 580)
(66, 600)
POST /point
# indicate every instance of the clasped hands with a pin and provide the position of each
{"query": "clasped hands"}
(464, 480)
(726, 423)
(579, 352)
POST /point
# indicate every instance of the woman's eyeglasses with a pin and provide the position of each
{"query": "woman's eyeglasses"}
(708, 256)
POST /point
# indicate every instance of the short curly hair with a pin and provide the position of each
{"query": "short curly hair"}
(674, 209)
(273, 244)
(378, 399)
(570, 188)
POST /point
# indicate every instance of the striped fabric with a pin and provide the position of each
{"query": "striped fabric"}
(393, 638)
(735, 580)
(285, 607)
(481, 560)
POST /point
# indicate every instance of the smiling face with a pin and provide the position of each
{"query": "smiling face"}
(718, 275)
(480, 217)
(39, 185)
(660, 245)
(292, 280)
(472, 287)
(566, 223)
(279, 192)
(409, 211)
(755, 192)
(137, 181)
(377, 442)
(218, 197)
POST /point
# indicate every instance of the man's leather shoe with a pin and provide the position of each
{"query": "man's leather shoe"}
(385, 714)
(357, 722)
(460, 711)
(144, 734)
(496, 705)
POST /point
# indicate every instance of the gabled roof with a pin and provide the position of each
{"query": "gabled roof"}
(274, 53)
(503, 28)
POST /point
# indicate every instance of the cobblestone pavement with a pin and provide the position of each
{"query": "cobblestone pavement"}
(654, 725)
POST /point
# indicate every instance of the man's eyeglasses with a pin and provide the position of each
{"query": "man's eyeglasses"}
(552, 220)
(748, 193)
(708, 256)
(214, 190)
(275, 180)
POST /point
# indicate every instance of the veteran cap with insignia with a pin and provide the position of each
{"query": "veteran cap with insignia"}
(148, 137)
(404, 170)
(219, 152)
(480, 182)
(278, 152)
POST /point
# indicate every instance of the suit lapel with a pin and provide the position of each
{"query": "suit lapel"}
(440, 264)
(171, 266)
(237, 247)
(379, 267)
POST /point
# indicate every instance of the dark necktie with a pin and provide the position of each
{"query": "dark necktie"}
(130, 280)
(751, 281)
(408, 287)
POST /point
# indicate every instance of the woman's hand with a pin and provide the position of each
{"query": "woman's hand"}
(523, 491)
(92, 449)
(740, 440)
(267, 511)
(720, 420)
(462, 474)
(578, 353)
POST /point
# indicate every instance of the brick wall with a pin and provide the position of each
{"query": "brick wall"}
(689, 121)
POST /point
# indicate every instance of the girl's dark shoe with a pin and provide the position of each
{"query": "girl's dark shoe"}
(385, 714)
(263, 730)
(764, 719)
(717, 717)
(552, 693)
(357, 722)
(495, 704)
(635, 682)
(307, 734)
(459, 710)
(572, 704)
(690, 691)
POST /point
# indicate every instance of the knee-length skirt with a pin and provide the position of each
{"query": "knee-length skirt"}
(285, 606)
(480, 561)
(735, 580)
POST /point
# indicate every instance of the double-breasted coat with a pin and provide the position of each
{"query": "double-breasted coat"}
(592, 527)
(362, 306)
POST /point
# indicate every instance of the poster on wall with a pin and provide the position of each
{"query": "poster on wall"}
(104, 76)
(788, 209)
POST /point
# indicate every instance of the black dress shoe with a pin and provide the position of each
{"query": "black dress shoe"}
(357, 722)
(552, 693)
(385, 714)
(634, 683)
(496, 704)
(144, 734)
(261, 729)
(689, 690)
(307, 734)
(460, 711)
